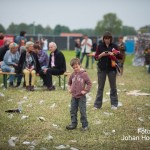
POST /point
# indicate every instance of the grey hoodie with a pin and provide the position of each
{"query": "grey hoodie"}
(79, 81)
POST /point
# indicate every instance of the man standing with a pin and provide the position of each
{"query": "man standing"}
(56, 66)
(86, 46)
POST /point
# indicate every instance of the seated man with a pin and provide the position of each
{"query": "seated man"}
(56, 66)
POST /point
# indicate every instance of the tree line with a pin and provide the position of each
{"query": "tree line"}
(110, 22)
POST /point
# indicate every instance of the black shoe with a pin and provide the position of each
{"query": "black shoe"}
(11, 84)
(28, 88)
(31, 88)
(18, 84)
(52, 88)
(84, 128)
(71, 127)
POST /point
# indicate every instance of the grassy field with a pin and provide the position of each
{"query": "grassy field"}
(107, 127)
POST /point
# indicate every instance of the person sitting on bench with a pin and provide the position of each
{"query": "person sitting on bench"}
(10, 63)
(56, 66)
(29, 66)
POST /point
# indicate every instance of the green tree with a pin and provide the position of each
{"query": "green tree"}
(145, 29)
(38, 29)
(23, 27)
(59, 29)
(110, 23)
(2, 29)
(12, 29)
(89, 32)
(126, 30)
(48, 30)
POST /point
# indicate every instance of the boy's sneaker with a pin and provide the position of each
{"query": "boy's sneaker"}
(71, 127)
(114, 107)
(84, 128)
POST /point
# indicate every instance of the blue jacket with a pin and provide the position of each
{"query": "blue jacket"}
(10, 59)
(43, 58)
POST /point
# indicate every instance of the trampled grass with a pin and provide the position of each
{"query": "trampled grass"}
(107, 127)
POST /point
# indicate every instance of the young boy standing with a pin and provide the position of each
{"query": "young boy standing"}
(78, 85)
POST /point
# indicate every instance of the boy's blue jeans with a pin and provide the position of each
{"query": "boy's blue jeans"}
(78, 103)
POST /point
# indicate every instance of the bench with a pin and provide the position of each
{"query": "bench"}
(66, 74)
(5, 74)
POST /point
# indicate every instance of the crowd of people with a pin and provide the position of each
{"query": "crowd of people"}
(142, 51)
(29, 59)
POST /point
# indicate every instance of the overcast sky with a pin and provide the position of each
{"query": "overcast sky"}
(74, 14)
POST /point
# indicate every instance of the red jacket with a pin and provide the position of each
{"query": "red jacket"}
(1, 43)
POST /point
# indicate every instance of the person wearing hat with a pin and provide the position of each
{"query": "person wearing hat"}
(29, 65)
(104, 55)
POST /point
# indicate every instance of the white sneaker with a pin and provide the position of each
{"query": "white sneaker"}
(113, 107)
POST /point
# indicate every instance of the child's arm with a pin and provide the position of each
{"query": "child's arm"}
(69, 84)
(88, 84)
(69, 88)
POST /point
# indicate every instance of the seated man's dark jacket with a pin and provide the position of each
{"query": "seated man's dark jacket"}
(60, 62)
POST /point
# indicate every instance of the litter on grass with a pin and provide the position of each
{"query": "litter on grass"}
(43, 148)
(53, 105)
(55, 125)
(140, 119)
(147, 105)
(137, 93)
(13, 111)
(62, 146)
(41, 102)
(41, 118)
(108, 114)
(73, 141)
(12, 141)
(72, 148)
(10, 116)
(2, 95)
(29, 105)
(98, 122)
(109, 133)
(49, 137)
(25, 97)
(24, 117)
(94, 81)
(119, 104)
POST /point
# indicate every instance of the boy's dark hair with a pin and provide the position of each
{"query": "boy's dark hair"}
(74, 61)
